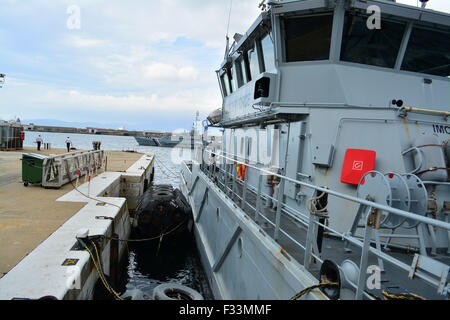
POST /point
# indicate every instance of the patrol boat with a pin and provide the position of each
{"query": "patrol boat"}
(178, 140)
(332, 179)
(165, 141)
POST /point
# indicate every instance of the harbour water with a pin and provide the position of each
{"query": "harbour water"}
(144, 270)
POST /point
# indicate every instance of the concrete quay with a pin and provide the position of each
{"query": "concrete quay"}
(38, 226)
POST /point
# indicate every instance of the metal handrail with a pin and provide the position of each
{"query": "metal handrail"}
(433, 222)
(364, 245)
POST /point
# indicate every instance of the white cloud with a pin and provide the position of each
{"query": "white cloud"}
(57, 99)
(82, 42)
(163, 71)
(129, 56)
(154, 21)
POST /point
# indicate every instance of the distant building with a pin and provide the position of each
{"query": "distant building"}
(100, 130)
(54, 129)
(152, 133)
(11, 135)
(28, 127)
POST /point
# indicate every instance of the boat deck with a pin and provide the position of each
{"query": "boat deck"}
(28, 215)
(393, 280)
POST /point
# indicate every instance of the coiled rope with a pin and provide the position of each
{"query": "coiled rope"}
(312, 203)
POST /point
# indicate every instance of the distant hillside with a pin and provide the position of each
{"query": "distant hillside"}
(161, 122)
(59, 123)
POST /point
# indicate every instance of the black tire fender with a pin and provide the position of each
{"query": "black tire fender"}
(165, 291)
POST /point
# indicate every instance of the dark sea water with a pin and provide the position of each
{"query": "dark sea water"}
(145, 270)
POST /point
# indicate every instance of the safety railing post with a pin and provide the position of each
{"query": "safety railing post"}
(227, 178)
(372, 221)
(258, 197)
(279, 205)
(311, 237)
(244, 192)
(234, 188)
(222, 177)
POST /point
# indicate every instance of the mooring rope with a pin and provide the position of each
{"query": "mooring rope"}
(316, 286)
(100, 270)
(146, 239)
(85, 195)
(161, 164)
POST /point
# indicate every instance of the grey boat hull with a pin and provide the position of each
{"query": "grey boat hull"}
(241, 261)
(156, 142)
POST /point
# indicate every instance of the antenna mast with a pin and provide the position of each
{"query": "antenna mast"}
(229, 17)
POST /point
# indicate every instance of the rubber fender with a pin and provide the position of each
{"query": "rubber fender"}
(170, 291)
(162, 196)
(162, 187)
(432, 157)
(181, 202)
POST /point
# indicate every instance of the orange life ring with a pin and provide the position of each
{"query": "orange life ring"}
(22, 135)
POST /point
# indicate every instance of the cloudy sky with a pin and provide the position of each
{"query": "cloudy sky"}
(142, 64)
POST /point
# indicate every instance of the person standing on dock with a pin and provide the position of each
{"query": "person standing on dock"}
(68, 143)
(39, 141)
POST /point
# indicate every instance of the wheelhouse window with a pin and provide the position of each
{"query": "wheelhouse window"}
(428, 51)
(268, 53)
(377, 47)
(231, 75)
(241, 75)
(225, 84)
(253, 62)
(307, 38)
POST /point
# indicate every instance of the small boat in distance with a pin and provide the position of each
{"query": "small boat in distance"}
(182, 140)
(165, 141)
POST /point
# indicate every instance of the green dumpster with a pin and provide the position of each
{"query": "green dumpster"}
(32, 168)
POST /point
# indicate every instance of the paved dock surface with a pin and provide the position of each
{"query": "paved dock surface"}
(28, 215)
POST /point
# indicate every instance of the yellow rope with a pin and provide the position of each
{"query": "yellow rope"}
(147, 239)
(316, 286)
(387, 295)
(100, 272)
(392, 296)
(103, 275)
(401, 296)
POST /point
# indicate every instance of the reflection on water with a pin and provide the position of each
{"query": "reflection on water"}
(145, 270)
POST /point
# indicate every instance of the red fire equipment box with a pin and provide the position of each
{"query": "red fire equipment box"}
(357, 162)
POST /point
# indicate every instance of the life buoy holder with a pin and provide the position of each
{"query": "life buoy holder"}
(22, 135)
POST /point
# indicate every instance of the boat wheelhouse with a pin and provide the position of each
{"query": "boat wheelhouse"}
(335, 153)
